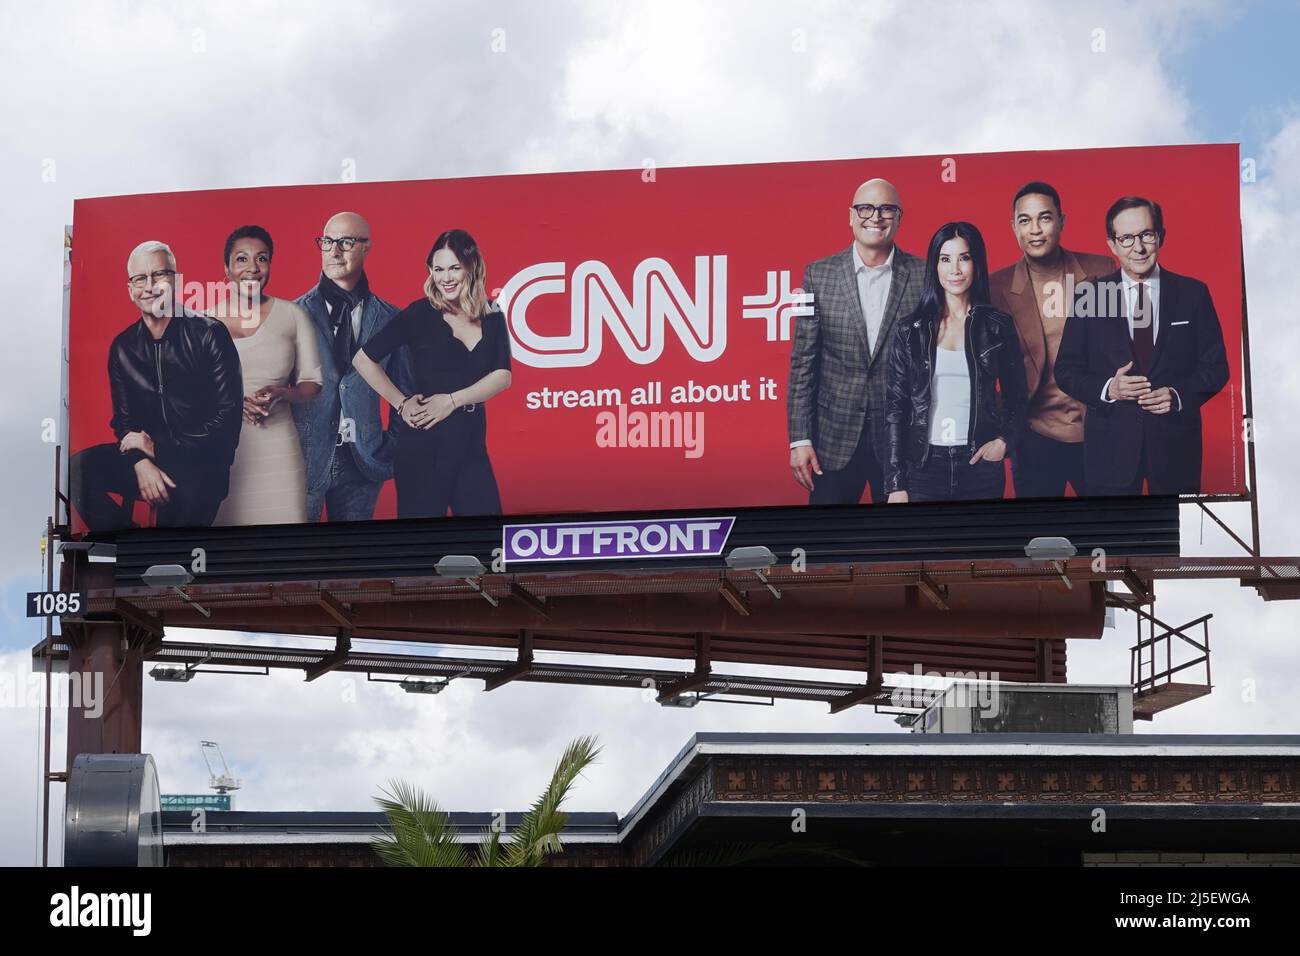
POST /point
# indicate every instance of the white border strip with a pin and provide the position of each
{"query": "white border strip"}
(555, 559)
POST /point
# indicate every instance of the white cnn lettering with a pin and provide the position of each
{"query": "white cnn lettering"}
(596, 301)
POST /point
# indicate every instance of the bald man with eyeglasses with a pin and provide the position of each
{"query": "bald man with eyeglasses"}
(347, 450)
(839, 358)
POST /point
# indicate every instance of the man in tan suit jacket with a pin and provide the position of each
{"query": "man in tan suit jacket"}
(1037, 290)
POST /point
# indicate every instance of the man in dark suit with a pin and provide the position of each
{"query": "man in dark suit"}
(839, 359)
(1036, 290)
(1144, 350)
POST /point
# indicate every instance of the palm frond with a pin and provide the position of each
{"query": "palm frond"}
(489, 848)
(418, 832)
(539, 832)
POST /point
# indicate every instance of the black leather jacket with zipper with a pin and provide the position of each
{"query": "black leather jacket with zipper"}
(997, 389)
(184, 389)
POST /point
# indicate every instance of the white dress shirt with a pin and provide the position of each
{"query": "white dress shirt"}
(873, 294)
(1130, 288)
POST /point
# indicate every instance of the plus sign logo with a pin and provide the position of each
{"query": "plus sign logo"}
(778, 305)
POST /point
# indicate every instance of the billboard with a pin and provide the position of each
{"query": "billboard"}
(712, 338)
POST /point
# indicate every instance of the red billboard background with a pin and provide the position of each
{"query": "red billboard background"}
(762, 218)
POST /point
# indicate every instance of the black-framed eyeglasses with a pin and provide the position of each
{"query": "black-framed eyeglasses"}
(326, 243)
(142, 280)
(888, 210)
(1148, 237)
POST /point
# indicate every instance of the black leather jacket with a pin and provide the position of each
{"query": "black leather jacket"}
(185, 390)
(997, 389)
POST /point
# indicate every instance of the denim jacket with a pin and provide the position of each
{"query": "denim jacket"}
(348, 396)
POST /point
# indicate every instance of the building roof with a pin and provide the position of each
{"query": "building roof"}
(244, 826)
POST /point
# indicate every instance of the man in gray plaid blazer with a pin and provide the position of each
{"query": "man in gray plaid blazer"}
(839, 361)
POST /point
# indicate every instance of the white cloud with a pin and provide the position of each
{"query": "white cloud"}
(118, 97)
(122, 97)
(743, 82)
(21, 756)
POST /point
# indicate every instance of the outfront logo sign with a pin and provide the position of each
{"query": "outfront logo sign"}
(612, 540)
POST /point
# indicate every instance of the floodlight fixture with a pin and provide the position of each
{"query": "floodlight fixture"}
(1054, 550)
(750, 558)
(680, 700)
(172, 577)
(466, 567)
(1050, 549)
(756, 558)
(172, 675)
(413, 686)
(166, 576)
(459, 566)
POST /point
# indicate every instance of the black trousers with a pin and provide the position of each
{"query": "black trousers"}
(845, 486)
(435, 472)
(948, 475)
(1134, 487)
(1043, 466)
(96, 472)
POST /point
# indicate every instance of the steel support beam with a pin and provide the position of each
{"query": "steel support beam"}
(106, 658)
(701, 676)
(872, 692)
(342, 648)
(331, 606)
(739, 603)
(522, 668)
(978, 610)
(937, 593)
(145, 621)
(1142, 591)
(529, 599)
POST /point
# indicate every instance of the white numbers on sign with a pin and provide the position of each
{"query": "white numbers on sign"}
(56, 603)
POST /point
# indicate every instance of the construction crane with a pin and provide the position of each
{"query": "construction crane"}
(222, 782)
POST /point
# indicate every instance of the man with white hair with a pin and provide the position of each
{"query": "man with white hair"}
(177, 400)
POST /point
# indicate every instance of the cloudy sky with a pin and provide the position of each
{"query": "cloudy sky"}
(123, 97)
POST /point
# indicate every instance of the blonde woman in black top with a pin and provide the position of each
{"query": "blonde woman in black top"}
(459, 350)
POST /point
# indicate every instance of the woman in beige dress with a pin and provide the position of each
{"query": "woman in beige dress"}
(280, 362)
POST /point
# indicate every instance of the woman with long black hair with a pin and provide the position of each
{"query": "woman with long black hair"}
(459, 351)
(956, 397)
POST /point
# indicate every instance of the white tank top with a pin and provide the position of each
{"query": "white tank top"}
(949, 398)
